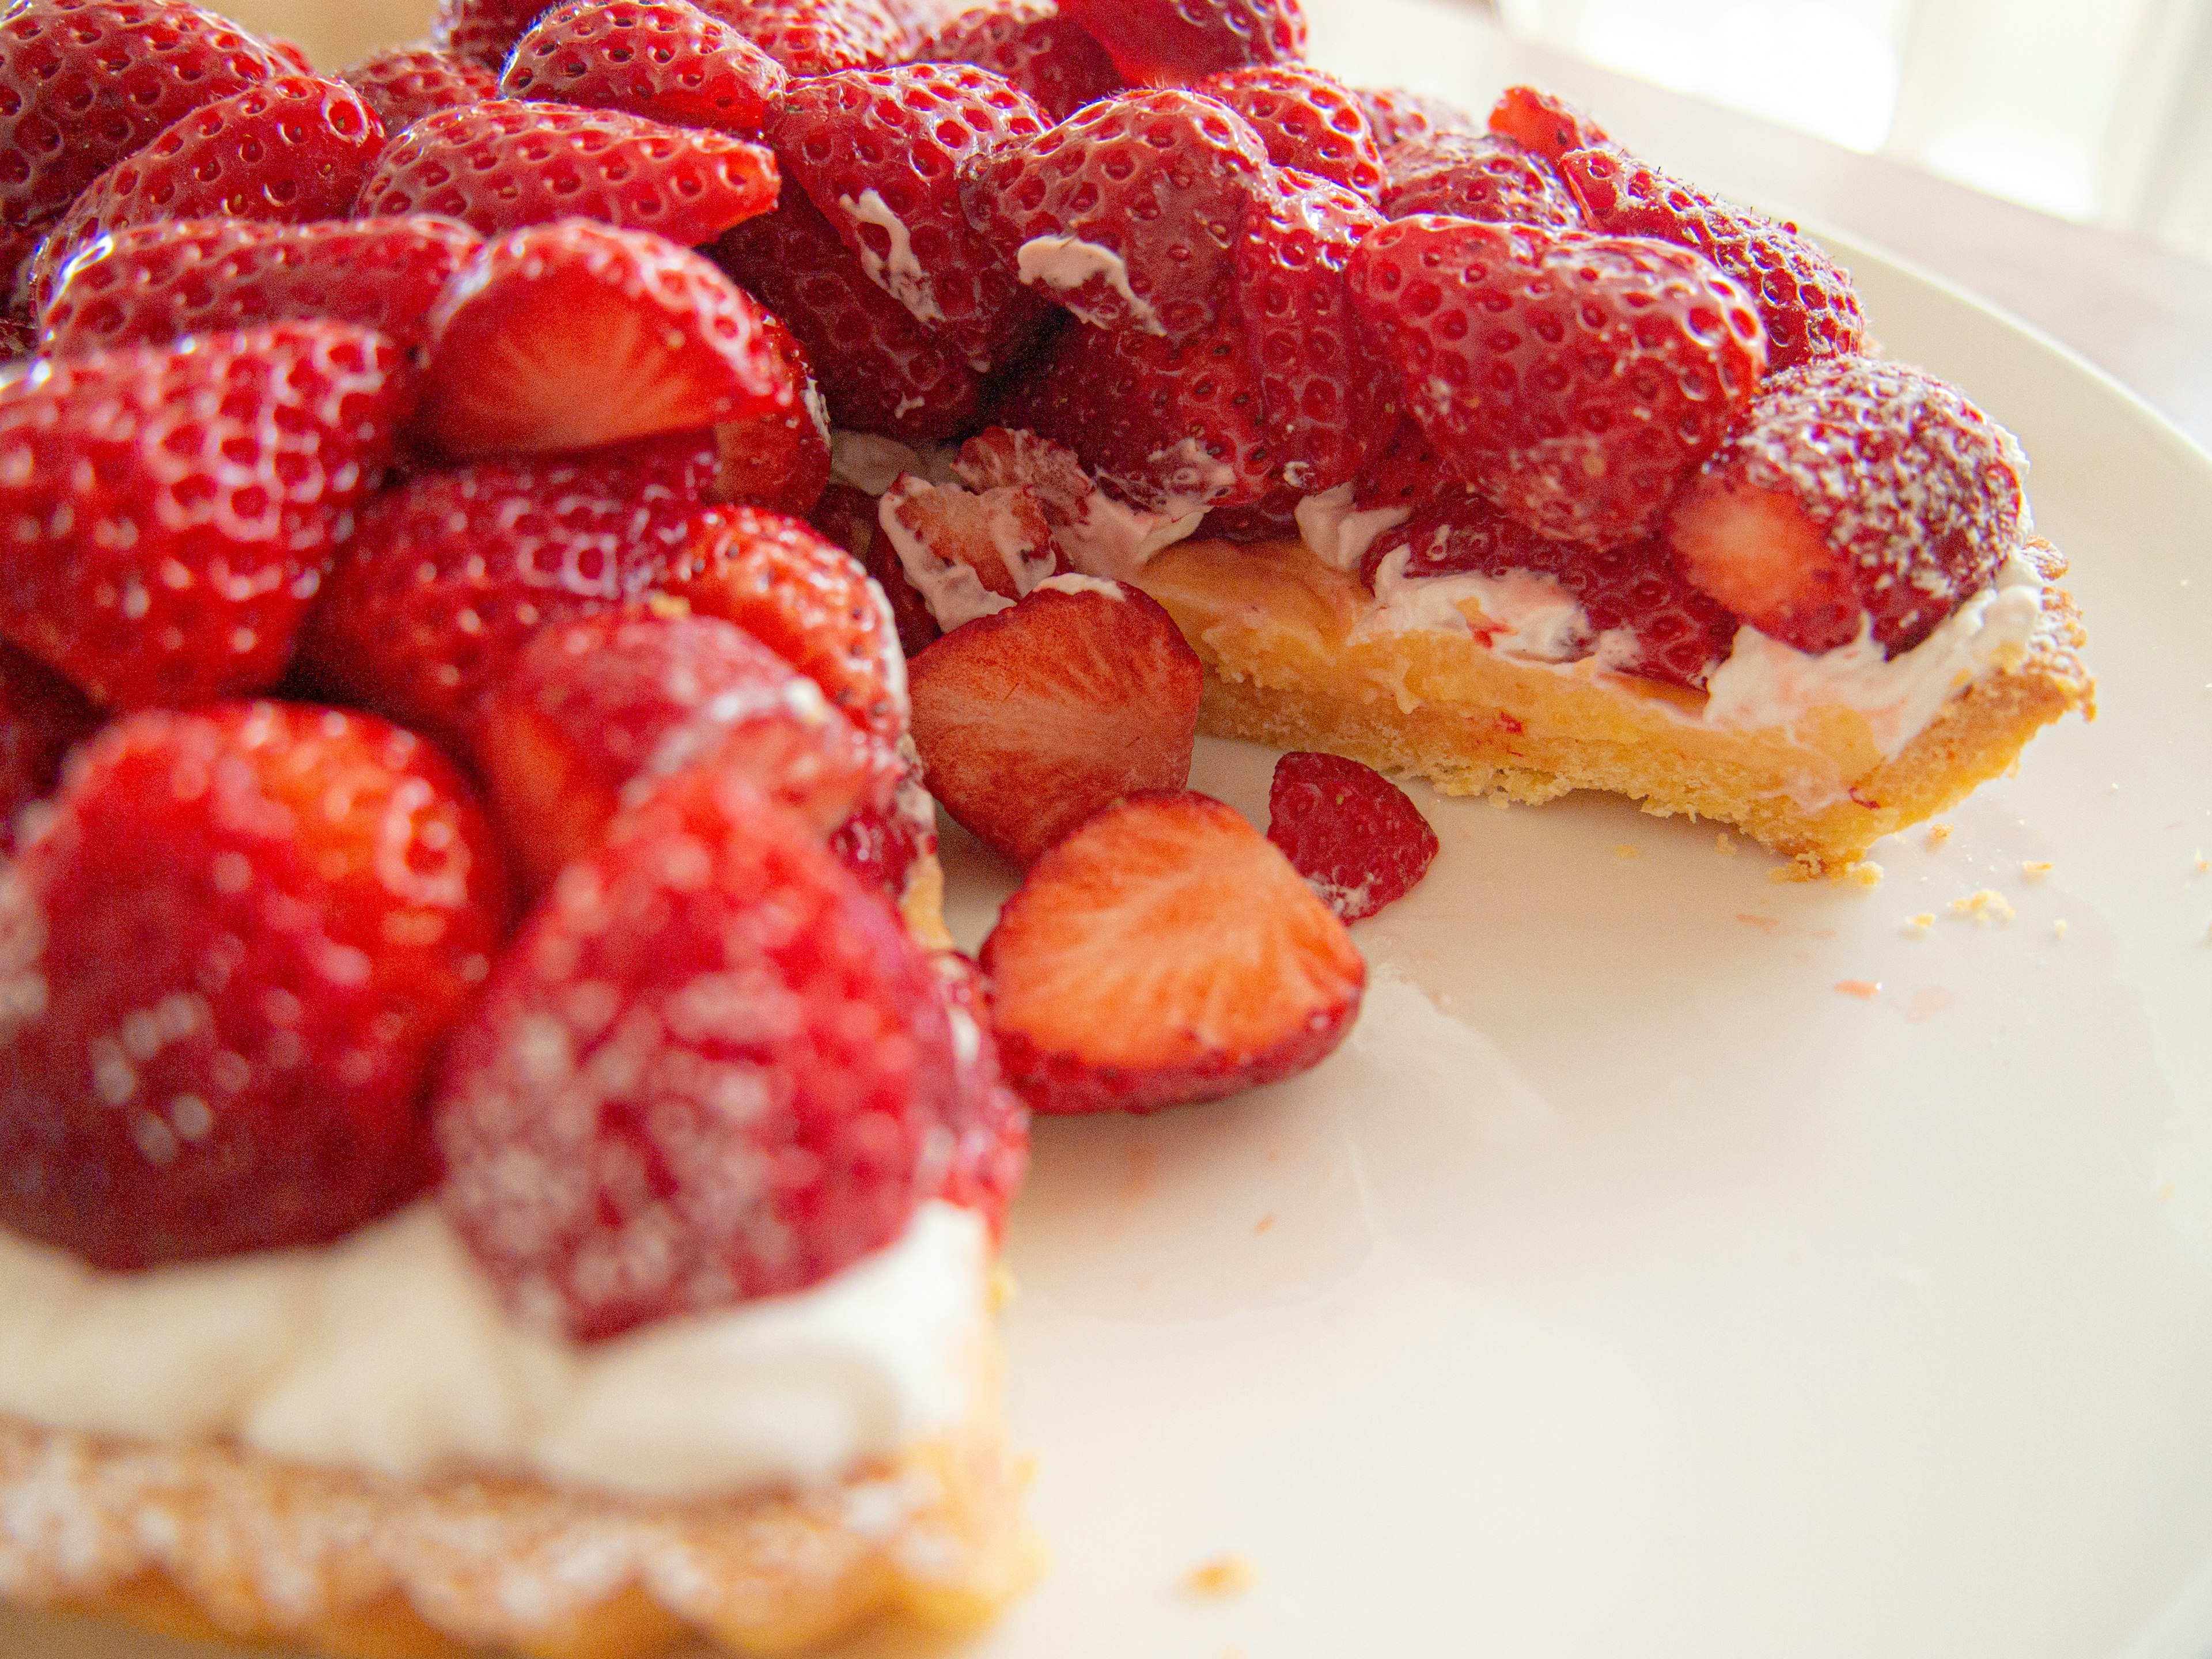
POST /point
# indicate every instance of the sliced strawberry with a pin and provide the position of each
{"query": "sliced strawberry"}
(1126, 213)
(967, 554)
(711, 1067)
(174, 510)
(403, 84)
(1174, 42)
(596, 710)
(1272, 518)
(818, 37)
(233, 949)
(1477, 175)
(483, 32)
(1030, 720)
(1853, 494)
(1029, 42)
(1405, 471)
(1352, 833)
(84, 83)
(291, 149)
(42, 718)
(1308, 119)
(880, 370)
(1172, 427)
(448, 576)
(990, 1124)
(502, 165)
(575, 334)
(1639, 613)
(1099, 535)
(664, 59)
(779, 458)
(878, 151)
(152, 282)
(846, 518)
(807, 601)
(1550, 126)
(1398, 115)
(1575, 380)
(1162, 954)
(1804, 298)
(1325, 394)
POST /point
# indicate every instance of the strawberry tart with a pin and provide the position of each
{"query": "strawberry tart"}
(504, 552)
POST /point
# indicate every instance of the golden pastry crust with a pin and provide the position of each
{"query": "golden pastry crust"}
(1277, 630)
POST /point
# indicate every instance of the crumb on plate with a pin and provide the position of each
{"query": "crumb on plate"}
(1232, 1574)
(1986, 905)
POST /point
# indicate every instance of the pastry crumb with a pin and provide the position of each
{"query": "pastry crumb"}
(1724, 844)
(1940, 833)
(2058, 928)
(1865, 873)
(2202, 863)
(2035, 869)
(1918, 925)
(1226, 1575)
(1263, 1224)
(1987, 905)
(1626, 850)
(2165, 1193)
(1866, 990)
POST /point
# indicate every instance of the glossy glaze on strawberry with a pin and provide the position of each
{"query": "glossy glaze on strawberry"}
(664, 59)
(818, 37)
(403, 84)
(1544, 123)
(1471, 175)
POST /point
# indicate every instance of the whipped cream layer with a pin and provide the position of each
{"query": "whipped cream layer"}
(387, 1350)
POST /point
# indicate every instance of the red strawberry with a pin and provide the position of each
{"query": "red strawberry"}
(1477, 175)
(878, 152)
(1170, 426)
(778, 459)
(1549, 126)
(1030, 43)
(1640, 614)
(884, 845)
(1308, 119)
(1405, 472)
(42, 718)
(483, 32)
(403, 84)
(84, 83)
(596, 710)
(1174, 42)
(1128, 212)
(575, 334)
(846, 517)
(1099, 535)
(1575, 380)
(501, 165)
(968, 556)
(18, 338)
(664, 59)
(1030, 720)
(1350, 832)
(232, 951)
(174, 510)
(1804, 298)
(817, 37)
(1398, 115)
(292, 148)
(448, 575)
(1272, 518)
(879, 369)
(808, 602)
(291, 53)
(1325, 394)
(990, 1126)
(1162, 954)
(153, 282)
(1852, 496)
(711, 1067)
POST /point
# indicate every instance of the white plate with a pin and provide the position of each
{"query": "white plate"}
(1639, 1281)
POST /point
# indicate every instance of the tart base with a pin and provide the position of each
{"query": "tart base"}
(1288, 664)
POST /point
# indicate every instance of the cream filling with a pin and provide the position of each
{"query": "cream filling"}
(1064, 263)
(899, 274)
(1112, 540)
(388, 1352)
(1075, 583)
(1338, 532)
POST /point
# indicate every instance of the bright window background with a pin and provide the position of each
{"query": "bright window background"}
(2097, 110)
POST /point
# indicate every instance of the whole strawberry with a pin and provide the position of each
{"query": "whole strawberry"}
(1030, 43)
(664, 59)
(1545, 123)
(403, 84)
(711, 1067)
(1174, 42)
(482, 32)
(228, 960)
(1398, 115)
(1575, 382)
(175, 508)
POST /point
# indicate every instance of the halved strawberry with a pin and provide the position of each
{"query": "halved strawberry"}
(1549, 125)
(1030, 43)
(42, 718)
(817, 37)
(289, 149)
(174, 509)
(483, 32)
(500, 165)
(1805, 299)
(711, 1067)
(448, 575)
(1127, 212)
(778, 459)
(1398, 115)
(878, 151)
(1173, 42)
(1575, 382)
(597, 711)
(967, 554)
(1852, 496)
(1162, 954)
(249, 931)
(1350, 832)
(1272, 518)
(990, 1124)
(664, 59)
(1030, 720)
(575, 334)
(403, 84)
(1477, 175)
(1099, 535)
(846, 517)
(152, 282)
(84, 83)
(1308, 119)
(883, 845)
